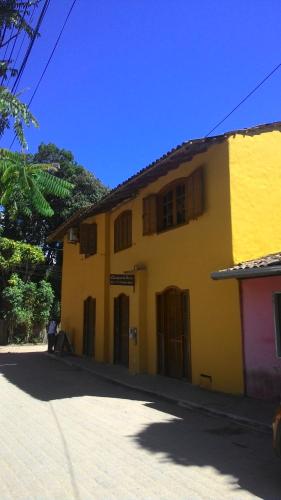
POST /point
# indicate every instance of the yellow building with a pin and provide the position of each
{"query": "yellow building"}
(136, 286)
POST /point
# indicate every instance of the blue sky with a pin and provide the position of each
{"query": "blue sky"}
(133, 78)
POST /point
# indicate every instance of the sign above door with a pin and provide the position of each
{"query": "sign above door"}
(122, 279)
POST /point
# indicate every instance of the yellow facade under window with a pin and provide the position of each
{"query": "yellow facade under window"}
(182, 324)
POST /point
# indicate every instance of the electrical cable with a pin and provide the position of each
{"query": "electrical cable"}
(14, 42)
(5, 53)
(31, 43)
(8, 43)
(52, 53)
(22, 42)
(245, 98)
(4, 58)
(49, 59)
(2, 37)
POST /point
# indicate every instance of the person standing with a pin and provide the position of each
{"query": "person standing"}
(52, 331)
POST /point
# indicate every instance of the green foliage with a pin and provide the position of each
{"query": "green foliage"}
(87, 188)
(35, 228)
(15, 253)
(12, 108)
(24, 185)
(44, 298)
(28, 304)
(32, 227)
(13, 15)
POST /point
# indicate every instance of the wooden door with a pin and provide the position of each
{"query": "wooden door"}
(121, 330)
(89, 327)
(173, 333)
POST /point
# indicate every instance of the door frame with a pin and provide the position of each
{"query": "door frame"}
(116, 329)
(89, 342)
(186, 344)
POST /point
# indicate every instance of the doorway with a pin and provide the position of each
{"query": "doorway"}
(89, 327)
(173, 335)
(121, 330)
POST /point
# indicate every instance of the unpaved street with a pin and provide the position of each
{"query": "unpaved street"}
(66, 434)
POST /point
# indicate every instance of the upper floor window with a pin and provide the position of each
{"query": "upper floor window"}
(172, 206)
(123, 231)
(88, 239)
(178, 203)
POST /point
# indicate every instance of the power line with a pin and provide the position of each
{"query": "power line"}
(8, 43)
(49, 59)
(31, 43)
(25, 14)
(4, 57)
(245, 98)
(9, 59)
(52, 53)
(22, 42)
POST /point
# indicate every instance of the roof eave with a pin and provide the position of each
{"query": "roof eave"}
(247, 273)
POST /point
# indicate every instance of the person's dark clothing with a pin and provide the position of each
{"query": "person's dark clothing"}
(52, 330)
(51, 342)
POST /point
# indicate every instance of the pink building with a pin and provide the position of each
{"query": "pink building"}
(260, 289)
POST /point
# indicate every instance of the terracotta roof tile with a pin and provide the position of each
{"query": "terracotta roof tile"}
(171, 160)
(273, 259)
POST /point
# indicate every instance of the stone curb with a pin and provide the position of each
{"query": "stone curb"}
(190, 405)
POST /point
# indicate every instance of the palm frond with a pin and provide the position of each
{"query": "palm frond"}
(23, 185)
(54, 185)
(39, 201)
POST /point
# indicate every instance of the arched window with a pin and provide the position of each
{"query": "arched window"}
(123, 231)
(181, 201)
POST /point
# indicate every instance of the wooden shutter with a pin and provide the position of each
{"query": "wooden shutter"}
(88, 239)
(149, 214)
(189, 198)
(123, 231)
(129, 229)
(84, 238)
(198, 193)
(92, 239)
(116, 235)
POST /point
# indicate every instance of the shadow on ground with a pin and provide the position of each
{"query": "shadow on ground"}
(243, 457)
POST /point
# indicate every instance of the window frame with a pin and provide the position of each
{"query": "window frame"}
(190, 202)
(162, 204)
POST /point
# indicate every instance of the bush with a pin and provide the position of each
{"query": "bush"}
(28, 307)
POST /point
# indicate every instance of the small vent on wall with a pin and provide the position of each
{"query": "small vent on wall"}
(205, 381)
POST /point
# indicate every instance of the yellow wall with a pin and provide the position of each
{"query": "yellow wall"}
(84, 277)
(183, 257)
(255, 175)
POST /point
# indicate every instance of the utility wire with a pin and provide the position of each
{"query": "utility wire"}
(22, 41)
(14, 43)
(245, 98)
(49, 59)
(5, 53)
(9, 59)
(52, 53)
(31, 43)
(8, 43)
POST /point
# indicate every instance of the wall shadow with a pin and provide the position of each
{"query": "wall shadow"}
(192, 439)
(244, 458)
(45, 378)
